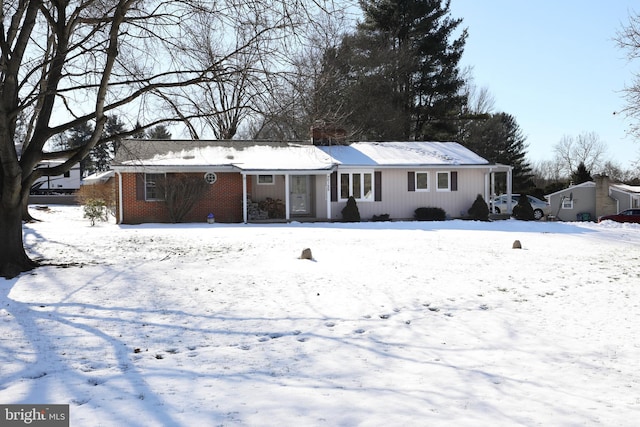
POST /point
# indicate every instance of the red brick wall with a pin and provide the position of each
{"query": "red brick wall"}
(223, 199)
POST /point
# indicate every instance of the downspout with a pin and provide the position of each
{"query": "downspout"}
(120, 208)
(244, 198)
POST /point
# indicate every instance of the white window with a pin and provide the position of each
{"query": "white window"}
(443, 181)
(357, 184)
(567, 203)
(265, 180)
(635, 202)
(422, 181)
(153, 186)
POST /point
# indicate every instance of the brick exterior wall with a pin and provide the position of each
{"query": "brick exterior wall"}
(223, 199)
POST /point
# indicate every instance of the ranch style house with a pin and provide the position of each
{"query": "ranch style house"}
(251, 181)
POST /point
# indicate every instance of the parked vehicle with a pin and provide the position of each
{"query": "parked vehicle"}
(629, 215)
(540, 208)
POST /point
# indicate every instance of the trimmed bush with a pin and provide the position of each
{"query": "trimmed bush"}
(523, 210)
(479, 210)
(430, 214)
(350, 212)
(378, 218)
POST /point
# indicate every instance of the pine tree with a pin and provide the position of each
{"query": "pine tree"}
(397, 76)
(499, 139)
(581, 174)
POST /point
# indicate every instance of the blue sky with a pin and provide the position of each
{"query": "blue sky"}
(554, 66)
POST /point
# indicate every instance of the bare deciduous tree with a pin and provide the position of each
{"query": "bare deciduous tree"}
(628, 39)
(182, 192)
(586, 148)
(65, 63)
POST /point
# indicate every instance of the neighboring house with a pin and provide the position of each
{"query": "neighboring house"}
(590, 200)
(253, 180)
(567, 204)
(98, 178)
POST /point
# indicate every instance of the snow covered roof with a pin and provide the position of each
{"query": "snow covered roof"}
(410, 153)
(254, 156)
(627, 188)
(621, 187)
(568, 189)
(98, 177)
(241, 155)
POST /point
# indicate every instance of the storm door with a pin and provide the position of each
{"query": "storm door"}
(300, 195)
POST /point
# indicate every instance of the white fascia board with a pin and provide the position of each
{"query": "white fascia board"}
(172, 169)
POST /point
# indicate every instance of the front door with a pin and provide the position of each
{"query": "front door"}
(300, 198)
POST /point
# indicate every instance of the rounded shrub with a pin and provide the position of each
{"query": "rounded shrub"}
(350, 212)
(430, 214)
(523, 210)
(479, 210)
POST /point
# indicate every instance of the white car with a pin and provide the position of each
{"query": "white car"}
(540, 208)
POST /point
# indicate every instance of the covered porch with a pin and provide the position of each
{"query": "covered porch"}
(300, 195)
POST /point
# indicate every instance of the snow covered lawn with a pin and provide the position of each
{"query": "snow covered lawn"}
(391, 324)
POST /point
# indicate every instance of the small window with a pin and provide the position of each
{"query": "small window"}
(567, 203)
(153, 186)
(67, 174)
(265, 179)
(422, 181)
(443, 181)
(210, 177)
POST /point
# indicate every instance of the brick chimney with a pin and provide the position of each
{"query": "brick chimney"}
(328, 134)
(605, 205)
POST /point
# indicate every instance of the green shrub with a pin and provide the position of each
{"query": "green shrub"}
(95, 209)
(430, 214)
(479, 210)
(350, 212)
(523, 210)
(383, 217)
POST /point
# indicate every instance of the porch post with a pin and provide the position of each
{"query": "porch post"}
(244, 198)
(286, 197)
(487, 188)
(328, 196)
(509, 187)
(493, 184)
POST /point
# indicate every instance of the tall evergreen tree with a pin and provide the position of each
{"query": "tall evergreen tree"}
(159, 132)
(78, 136)
(103, 153)
(581, 174)
(499, 139)
(397, 76)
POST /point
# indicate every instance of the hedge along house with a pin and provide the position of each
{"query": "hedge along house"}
(252, 181)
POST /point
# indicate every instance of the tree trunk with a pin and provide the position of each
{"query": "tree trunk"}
(13, 258)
